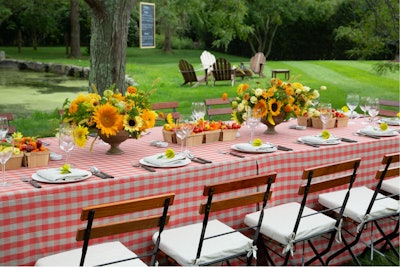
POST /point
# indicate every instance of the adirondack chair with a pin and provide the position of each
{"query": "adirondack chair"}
(257, 63)
(188, 73)
(222, 71)
(207, 60)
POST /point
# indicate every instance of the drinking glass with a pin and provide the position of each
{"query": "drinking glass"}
(66, 139)
(188, 126)
(373, 109)
(363, 107)
(315, 102)
(3, 127)
(6, 151)
(325, 110)
(352, 101)
(252, 120)
(198, 110)
(180, 131)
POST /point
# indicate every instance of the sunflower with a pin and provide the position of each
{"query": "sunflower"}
(80, 133)
(132, 124)
(107, 119)
(274, 106)
(262, 105)
(149, 118)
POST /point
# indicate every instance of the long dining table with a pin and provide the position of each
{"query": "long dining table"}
(36, 222)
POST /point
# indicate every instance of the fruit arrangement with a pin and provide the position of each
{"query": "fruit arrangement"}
(28, 144)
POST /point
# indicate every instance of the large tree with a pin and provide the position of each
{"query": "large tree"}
(75, 30)
(110, 22)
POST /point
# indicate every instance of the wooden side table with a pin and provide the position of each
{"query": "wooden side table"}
(285, 71)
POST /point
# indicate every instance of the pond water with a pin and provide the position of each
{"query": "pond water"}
(24, 92)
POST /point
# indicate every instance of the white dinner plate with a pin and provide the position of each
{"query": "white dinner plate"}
(319, 140)
(390, 121)
(153, 161)
(378, 132)
(39, 178)
(249, 148)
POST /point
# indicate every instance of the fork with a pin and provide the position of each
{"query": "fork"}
(139, 165)
(197, 159)
(231, 153)
(25, 179)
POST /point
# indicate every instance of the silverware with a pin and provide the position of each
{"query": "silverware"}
(367, 135)
(99, 173)
(144, 167)
(348, 140)
(231, 153)
(308, 144)
(284, 148)
(32, 182)
(197, 159)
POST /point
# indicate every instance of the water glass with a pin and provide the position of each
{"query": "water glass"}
(180, 131)
(373, 109)
(363, 107)
(3, 127)
(352, 102)
(6, 151)
(66, 139)
(252, 120)
(198, 110)
(325, 110)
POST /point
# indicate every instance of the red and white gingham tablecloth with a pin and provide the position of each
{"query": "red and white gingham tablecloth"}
(38, 222)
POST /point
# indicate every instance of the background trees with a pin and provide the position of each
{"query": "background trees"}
(282, 29)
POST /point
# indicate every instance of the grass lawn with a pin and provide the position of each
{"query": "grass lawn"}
(147, 65)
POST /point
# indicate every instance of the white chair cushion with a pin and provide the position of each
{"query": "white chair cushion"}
(181, 243)
(391, 185)
(278, 222)
(96, 254)
(358, 202)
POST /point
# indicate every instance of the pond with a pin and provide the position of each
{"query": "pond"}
(24, 92)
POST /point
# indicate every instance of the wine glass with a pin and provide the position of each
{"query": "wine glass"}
(252, 120)
(363, 107)
(352, 101)
(325, 110)
(3, 127)
(315, 102)
(373, 109)
(6, 151)
(188, 126)
(198, 110)
(180, 131)
(66, 139)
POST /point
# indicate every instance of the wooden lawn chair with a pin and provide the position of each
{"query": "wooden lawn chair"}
(189, 74)
(222, 71)
(257, 63)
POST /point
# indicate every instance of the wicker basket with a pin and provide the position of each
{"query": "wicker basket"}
(169, 136)
(36, 159)
(317, 123)
(342, 122)
(228, 135)
(15, 162)
(304, 121)
(193, 139)
(211, 136)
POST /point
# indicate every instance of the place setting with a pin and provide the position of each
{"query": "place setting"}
(377, 132)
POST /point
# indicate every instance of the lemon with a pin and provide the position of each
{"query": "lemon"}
(169, 153)
(257, 142)
(65, 169)
(345, 109)
(384, 126)
(167, 127)
(325, 134)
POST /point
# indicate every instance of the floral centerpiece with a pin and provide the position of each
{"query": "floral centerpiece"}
(278, 102)
(110, 114)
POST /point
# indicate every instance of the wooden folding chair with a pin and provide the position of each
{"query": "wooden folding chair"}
(292, 223)
(189, 74)
(217, 106)
(115, 252)
(164, 108)
(257, 63)
(367, 206)
(10, 117)
(213, 241)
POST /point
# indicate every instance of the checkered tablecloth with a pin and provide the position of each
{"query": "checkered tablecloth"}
(38, 222)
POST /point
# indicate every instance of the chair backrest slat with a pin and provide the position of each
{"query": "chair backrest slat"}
(170, 107)
(217, 106)
(187, 70)
(389, 108)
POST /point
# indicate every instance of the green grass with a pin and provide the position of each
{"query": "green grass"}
(147, 65)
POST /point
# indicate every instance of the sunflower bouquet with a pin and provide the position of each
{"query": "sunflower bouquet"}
(110, 113)
(279, 98)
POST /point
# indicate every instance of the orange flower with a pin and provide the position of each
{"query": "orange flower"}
(224, 96)
(107, 119)
(132, 89)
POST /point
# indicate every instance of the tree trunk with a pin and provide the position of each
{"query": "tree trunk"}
(167, 41)
(19, 40)
(75, 30)
(109, 33)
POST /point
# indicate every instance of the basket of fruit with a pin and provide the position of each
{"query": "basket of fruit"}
(35, 153)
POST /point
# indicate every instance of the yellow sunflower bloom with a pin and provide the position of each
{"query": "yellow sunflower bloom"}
(80, 134)
(107, 119)
(274, 106)
(149, 118)
(132, 124)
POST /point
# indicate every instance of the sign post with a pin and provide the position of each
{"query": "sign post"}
(147, 25)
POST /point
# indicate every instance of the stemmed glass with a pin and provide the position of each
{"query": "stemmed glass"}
(198, 110)
(325, 110)
(6, 151)
(66, 139)
(180, 131)
(352, 101)
(188, 126)
(373, 109)
(3, 127)
(252, 120)
(363, 107)
(315, 102)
